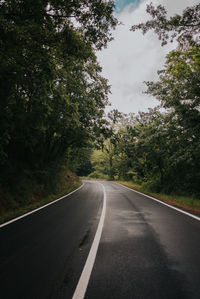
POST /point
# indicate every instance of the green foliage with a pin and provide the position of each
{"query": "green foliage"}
(99, 165)
(168, 147)
(79, 160)
(185, 28)
(52, 94)
(13, 206)
(161, 150)
(153, 150)
(178, 88)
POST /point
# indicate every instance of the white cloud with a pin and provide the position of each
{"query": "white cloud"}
(133, 58)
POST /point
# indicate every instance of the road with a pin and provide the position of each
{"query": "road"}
(146, 249)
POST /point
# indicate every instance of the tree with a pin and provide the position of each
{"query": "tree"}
(51, 90)
(100, 165)
(178, 87)
(178, 90)
(185, 28)
(111, 160)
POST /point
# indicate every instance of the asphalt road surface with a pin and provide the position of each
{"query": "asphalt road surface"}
(146, 249)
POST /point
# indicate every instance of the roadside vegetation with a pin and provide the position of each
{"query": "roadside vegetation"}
(158, 152)
(186, 202)
(13, 206)
(52, 94)
(53, 127)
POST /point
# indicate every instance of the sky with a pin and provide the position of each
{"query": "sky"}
(132, 58)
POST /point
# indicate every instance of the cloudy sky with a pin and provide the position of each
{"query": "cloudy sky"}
(133, 58)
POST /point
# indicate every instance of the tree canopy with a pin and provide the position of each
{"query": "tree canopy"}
(184, 28)
(52, 94)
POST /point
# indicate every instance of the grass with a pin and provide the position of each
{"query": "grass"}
(185, 202)
(18, 210)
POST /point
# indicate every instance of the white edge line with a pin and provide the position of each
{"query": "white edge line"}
(40, 208)
(87, 270)
(163, 203)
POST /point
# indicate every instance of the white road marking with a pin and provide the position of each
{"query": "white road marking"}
(87, 270)
(31, 212)
(163, 203)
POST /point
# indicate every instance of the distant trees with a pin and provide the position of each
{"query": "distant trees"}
(52, 95)
(154, 150)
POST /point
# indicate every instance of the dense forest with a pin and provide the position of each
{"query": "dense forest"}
(53, 96)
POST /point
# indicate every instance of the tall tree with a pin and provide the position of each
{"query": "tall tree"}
(52, 95)
(178, 89)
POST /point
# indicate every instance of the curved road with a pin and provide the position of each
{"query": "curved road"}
(146, 250)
